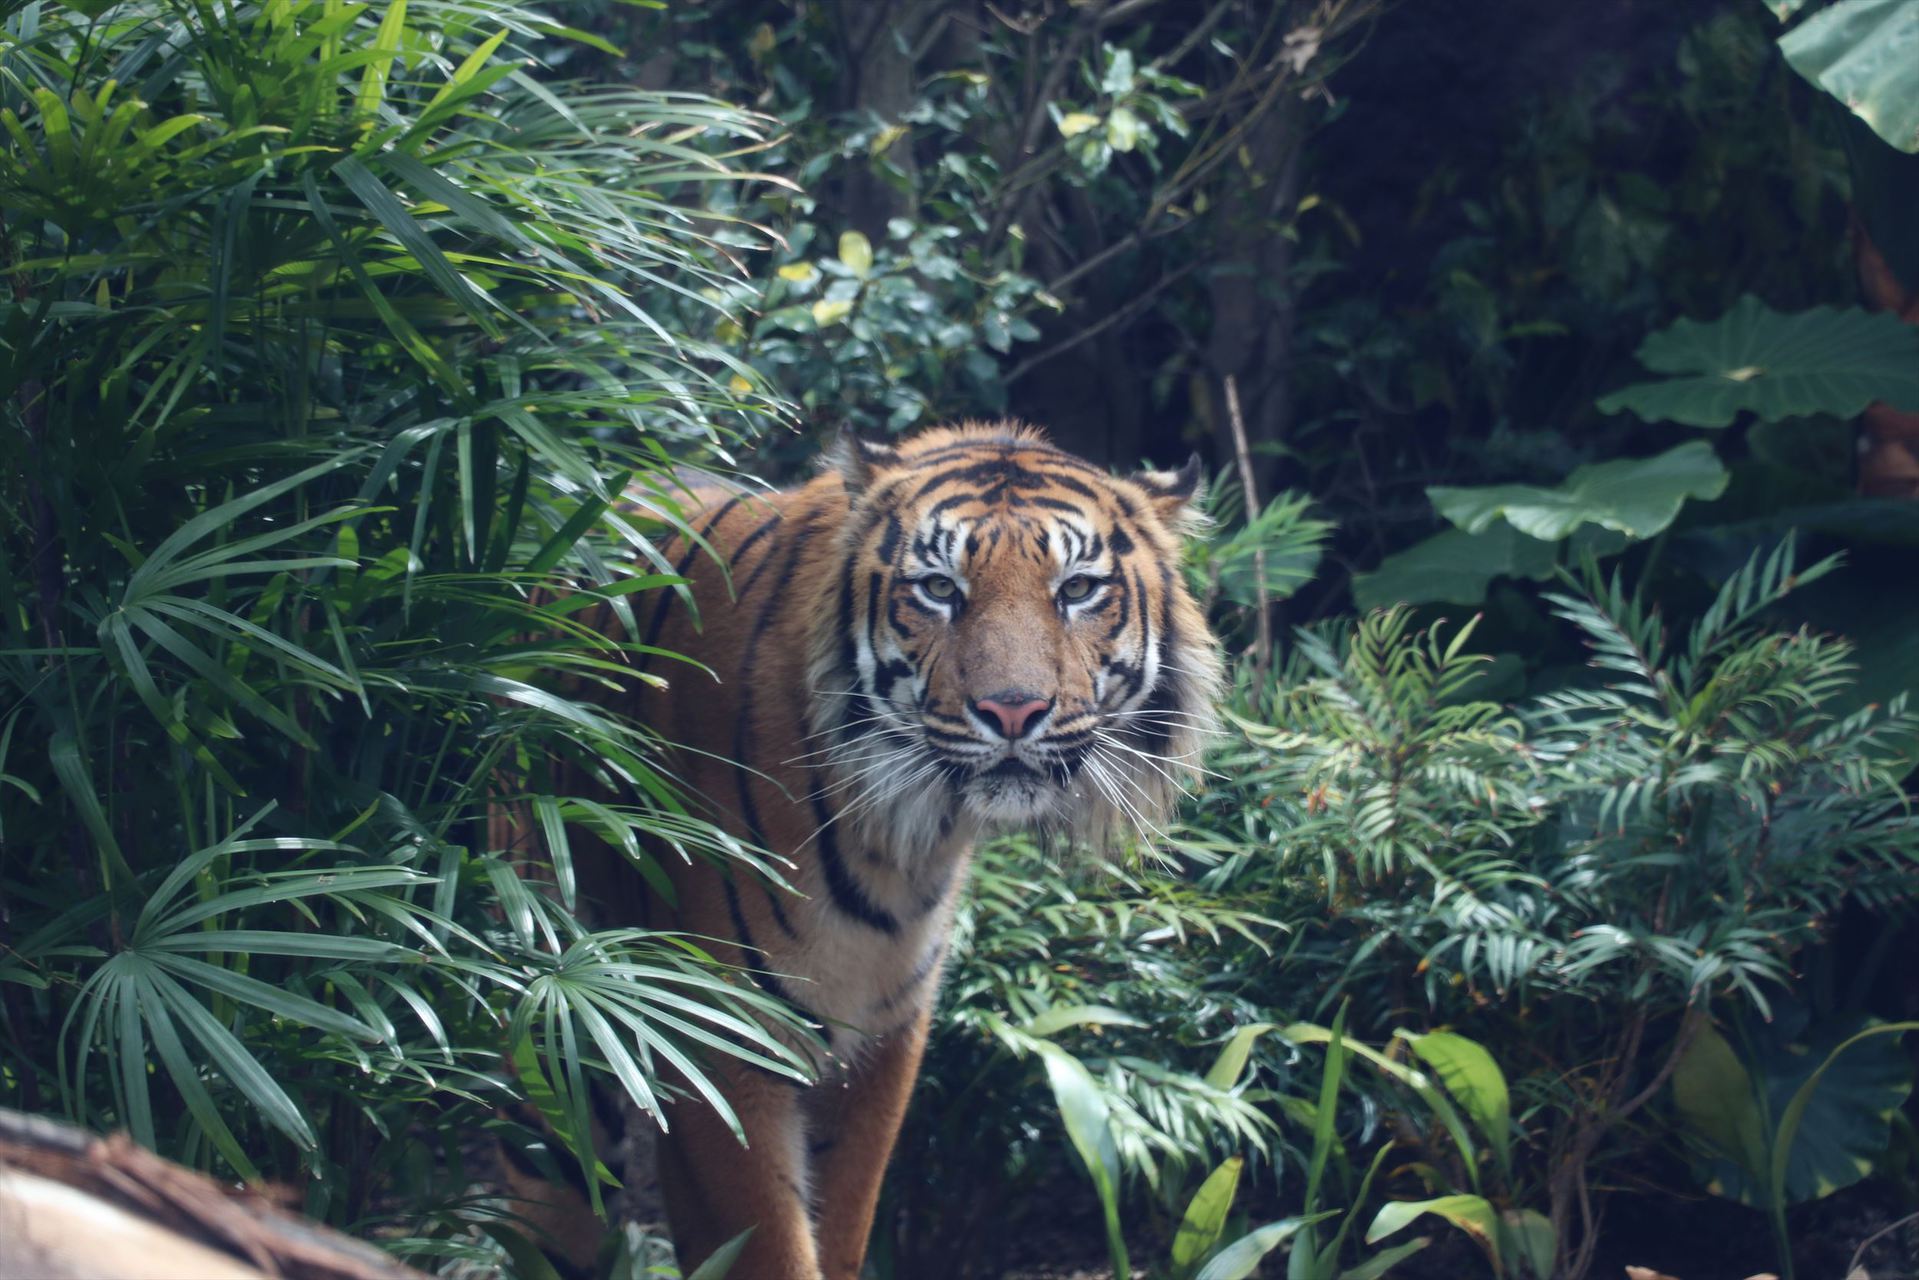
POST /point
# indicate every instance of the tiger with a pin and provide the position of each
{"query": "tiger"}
(967, 631)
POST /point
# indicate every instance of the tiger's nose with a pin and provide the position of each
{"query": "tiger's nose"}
(1011, 713)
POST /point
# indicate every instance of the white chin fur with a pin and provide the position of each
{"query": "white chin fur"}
(1015, 801)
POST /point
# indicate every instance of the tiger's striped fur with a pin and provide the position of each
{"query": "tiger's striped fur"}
(870, 725)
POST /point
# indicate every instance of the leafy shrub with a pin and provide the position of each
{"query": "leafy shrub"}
(1578, 878)
(330, 346)
(1123, 973)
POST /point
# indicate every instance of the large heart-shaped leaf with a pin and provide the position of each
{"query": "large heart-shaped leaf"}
(1773, 364)
(1843, 1119)
(1454, 567)
(1866, 54)
(1634, 496)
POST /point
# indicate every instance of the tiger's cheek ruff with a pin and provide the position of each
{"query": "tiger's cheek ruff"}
(1133, 685)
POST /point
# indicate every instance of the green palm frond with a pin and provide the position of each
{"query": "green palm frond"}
(335, 336)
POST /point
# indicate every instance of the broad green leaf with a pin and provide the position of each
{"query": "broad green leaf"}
(1713, 1094)
(1795, 1142)
(721, 1260)
(1774, 365)
(372, 89)
(1472, 1214)
(529, 1262)
(1205, 1217)
(1527, 1240)
(1083, 1110)
(1418, 1081)
(856, 251)
(1806, 1112)
(1054, 1021)
(1227, 1068)
(1475, 1081)
(1238, 1260)
(1385, 1260)
(1453, 567)
(551, 1106)
(1866, 54)
(1635, 496)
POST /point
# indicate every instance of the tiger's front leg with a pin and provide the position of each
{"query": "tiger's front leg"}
(854, 1122)
(715, 1188)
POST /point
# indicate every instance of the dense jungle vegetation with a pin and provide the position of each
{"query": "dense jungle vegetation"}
(1549, 907)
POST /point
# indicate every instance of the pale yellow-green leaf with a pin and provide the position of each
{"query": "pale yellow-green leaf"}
(825, 312)
(1122, 129)
(856, 251)
(799, 272)
(1075, 123)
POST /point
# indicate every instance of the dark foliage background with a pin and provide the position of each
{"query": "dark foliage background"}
(1549, 907)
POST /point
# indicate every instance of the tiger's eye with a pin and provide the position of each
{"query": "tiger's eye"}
(939, 586)
(1077, 588)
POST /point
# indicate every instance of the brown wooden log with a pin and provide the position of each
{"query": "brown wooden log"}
(76, 1206)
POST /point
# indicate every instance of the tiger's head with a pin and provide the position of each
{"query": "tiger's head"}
(1011, 642)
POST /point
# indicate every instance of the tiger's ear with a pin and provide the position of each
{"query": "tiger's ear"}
(858, 461)
(1178, 496)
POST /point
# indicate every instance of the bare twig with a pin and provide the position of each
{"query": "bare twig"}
(1193, 37)
(1119, 316)
(1035, 121)
(1859, 1254)
(1263, 641)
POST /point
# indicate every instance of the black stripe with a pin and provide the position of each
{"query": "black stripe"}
(1004, 445)
(914, 980)
(685, 562)
(842, 888)
(849, 649)
(760, 530)
(742, 775)
(779, 912)
(1125, 610)
(757, 967)
(999, 474)
(890, 541)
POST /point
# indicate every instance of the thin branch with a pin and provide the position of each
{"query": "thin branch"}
(1193, 37)
(1120, 316)
(1124, 10)
(1263, 641)
(1035, 120)
(1682, 1039)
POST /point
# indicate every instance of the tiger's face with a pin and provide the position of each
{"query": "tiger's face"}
(1012, 644)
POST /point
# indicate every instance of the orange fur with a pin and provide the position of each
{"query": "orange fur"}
(858, 697)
